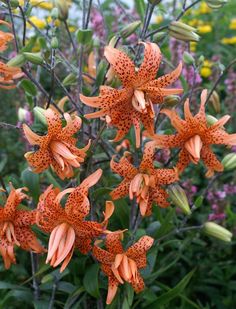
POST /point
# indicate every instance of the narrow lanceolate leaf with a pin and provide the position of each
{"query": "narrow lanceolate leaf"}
(31, 181)
(90, 281)
(171, 294)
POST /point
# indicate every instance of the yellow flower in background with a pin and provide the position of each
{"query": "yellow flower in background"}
(232, 24)
(159, 19)
(57, 21)
(193, 46)
(46, 5)
(194, 22)
(229, 41)
(204, 28)
(206, 70)
(39, 23)
(203, 8)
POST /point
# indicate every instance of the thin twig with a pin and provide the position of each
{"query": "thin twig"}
(34, 266)
(13, 25)
(24, 25)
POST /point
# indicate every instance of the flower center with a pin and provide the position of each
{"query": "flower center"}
(63, 155)
(61, 245)
(139, 187)
(124, 269)
(8, 232)
(140, 102)
(194, 146)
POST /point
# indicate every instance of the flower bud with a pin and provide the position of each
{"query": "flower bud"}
(229, 161)
(188, 58)
(179, 198)
(171, 100)
(211, 120)
(216, 4)
(17, 61)
(34, 58)
(113, 41)
(54, 43)
(55, 13)
(39, 114)
(62, 7)
(159, 36)
(183, 32)
(69, 79)
(217, 231)
(22, 113)
(129, 29)
(215, 101)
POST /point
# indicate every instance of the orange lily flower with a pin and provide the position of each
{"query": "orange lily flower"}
(5, 37)
(194, 136)
(134, 102)
(145, 182)
(120, 265)
(15, 228)
(91, 69)
(8, 75)
(57, 148)
(66, 224)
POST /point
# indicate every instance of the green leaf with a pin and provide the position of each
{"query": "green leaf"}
(3, 162)
(199, 201)
(84, 36)
(140, 7)
(171, 294)
(166, 225)
(28, 87)
(90, 281)
(31, 181)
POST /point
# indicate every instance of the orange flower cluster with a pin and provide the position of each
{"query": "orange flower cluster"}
(123, 108)
(7, 74)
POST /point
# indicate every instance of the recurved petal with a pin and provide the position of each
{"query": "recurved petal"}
(39, 160)
(187, 113)
(113, 243)
(14, 199)
(121, 190)
(124, 168)
(165, 176)
(167, 141)
(112, 289)
(201, 115)
(32, 137)
(140, 247)
(90, 181)
(150, 64)
(160, 197)
(53, 121)
(183, 160)
(147, 160)
(25, 217)
(83, 244)
(122, 64)
(210, 160)
(138, 284)
(167, 79)
(77, 205)
(102, 255)
(28, 240)
(72, 125)
(176, 121)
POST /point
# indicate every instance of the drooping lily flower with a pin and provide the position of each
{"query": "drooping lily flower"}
(5, 37)
(58, 147)
(67, 227)
(8, 75)
(134, 102)
(123, 266)
(195, 137)
(15, 228)
(145, 182)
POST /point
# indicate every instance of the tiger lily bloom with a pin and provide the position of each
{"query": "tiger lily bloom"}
(5, 37)
(145, 182)
(15, 228)
(194, 136)
(58, 147)
(122, 266)
(66, 225)
(133, 103)
(8, 75)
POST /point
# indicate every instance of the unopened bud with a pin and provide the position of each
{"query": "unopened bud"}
(54, 43)
(216, 4)
(171, 100)
(159, 36)
(179, 198)
(55, 13)
(69, 79)
(35, 58)
(113, 41)
(217, 231)
(211, 120)
(183, 32)
(229, 161)
(215, 101)
(17, 61)
(22, 114)
(188, 58)
(201, 60)
(129, 29)
(39, 114)
(62, 7)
